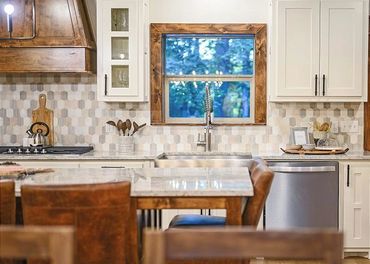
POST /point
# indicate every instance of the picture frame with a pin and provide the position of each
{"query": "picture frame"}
(299, 135)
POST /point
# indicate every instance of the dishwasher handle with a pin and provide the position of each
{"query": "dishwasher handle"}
(303, 169)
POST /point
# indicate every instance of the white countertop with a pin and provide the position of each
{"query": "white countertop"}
(92, 155)
(95, 155)
(156, 182)
(350, 155)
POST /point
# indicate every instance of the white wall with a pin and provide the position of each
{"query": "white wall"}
(209, 11)
(91, 9)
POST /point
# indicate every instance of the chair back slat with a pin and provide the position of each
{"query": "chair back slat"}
(99, 212)
(7, 203)
(50, 243)
(242, 243)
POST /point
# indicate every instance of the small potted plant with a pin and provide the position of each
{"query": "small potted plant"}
(126, 130)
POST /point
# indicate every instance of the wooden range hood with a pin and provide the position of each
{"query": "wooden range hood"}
(63, 39)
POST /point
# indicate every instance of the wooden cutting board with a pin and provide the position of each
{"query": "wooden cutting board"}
(43, 114)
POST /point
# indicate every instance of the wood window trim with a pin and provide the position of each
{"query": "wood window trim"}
(157, 30)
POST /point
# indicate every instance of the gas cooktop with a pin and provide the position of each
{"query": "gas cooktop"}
(58, 150)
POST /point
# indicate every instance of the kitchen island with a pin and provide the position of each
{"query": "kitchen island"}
(163, 188)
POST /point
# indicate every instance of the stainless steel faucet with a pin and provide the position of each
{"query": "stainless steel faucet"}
(206, 141)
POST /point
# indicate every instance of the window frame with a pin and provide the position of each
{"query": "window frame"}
(157, 73)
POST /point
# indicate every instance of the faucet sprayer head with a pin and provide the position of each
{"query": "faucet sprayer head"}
(209, 106)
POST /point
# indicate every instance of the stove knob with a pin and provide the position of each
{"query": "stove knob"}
(28, 151)
(43, 151)
(35, 151)
(19, 151)
(10, 151)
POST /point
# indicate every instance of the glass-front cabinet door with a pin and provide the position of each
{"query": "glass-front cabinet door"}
(122, 52)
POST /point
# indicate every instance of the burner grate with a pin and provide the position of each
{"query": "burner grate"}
(57, 150)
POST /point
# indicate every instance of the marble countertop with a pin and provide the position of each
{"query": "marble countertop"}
(350, 155)
(155, 182)
(148, 156)
(92, 155)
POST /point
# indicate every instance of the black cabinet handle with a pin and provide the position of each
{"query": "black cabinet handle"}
(105, 84)
(316, 84)
(323, 84)
(113, 167)
(348, 175)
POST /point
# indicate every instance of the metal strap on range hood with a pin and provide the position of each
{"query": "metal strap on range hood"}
(33, 27)
(303, 169)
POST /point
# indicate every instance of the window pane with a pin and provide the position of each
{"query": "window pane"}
(120, 76)
(231, 99)
(186, 99)
(209, 55)
(120, 48)
(119, 19)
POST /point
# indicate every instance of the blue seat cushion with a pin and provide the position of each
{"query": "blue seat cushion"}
(193, 220)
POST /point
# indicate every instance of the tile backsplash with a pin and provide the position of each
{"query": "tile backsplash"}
(80, 118)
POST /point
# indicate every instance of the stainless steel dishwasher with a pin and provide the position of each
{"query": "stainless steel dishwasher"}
(303, 194)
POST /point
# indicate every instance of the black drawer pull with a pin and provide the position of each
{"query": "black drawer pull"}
(105, 84)
(347, 175)
(316, 84)
(113, 167)
(323, 84)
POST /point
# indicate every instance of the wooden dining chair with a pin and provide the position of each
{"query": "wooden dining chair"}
(240, 243)
(99, 213)
(7, 208)
(51, 243)
(7, 203)
(261, 177)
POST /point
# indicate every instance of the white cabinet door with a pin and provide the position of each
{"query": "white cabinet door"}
(319, 51)
(297, 35)
(341, 51)
(121, 50)
(356, 196)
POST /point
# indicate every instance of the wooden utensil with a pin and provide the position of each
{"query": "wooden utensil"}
(43, 114)
(124, 127)
(119, 126)
(128, 125)
(137, 127)
(111, 123)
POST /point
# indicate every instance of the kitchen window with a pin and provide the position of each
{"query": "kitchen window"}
(230, 59)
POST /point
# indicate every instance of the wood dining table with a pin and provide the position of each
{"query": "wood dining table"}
(163, 188)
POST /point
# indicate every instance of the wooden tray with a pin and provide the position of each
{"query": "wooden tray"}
(314, 152)
(18, 172)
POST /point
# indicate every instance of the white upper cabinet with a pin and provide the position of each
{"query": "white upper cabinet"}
(319, 50)
(122, 50)
(297, 47)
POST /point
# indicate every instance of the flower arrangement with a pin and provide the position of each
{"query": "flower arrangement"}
(320, 131)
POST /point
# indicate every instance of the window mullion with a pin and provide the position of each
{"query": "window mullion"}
(209, 78)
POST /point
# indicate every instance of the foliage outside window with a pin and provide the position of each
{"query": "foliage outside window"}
(187, 57)
(223, 62)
